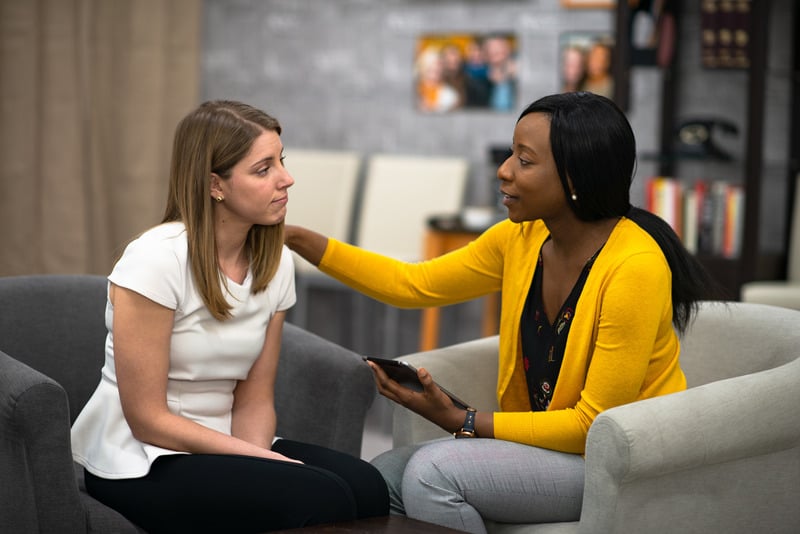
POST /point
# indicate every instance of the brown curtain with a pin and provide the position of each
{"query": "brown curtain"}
(90, 93)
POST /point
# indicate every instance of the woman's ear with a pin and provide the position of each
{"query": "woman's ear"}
(215, 187)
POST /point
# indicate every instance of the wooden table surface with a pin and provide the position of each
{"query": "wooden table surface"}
(391, 524)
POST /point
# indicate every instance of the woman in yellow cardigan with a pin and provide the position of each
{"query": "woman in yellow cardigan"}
(593, 293)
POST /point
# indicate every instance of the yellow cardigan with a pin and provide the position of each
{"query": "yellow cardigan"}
(621, 346)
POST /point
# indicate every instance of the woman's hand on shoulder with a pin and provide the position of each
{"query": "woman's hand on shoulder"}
(309, 244)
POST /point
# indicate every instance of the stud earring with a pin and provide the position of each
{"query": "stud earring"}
(220, 199)
(574, 197)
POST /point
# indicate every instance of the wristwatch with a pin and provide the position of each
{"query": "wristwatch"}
(468, 430)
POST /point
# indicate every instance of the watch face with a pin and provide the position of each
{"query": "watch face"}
(693, 134)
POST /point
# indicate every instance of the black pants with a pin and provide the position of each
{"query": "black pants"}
(237, 494)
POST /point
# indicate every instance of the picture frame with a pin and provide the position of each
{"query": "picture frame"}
(586, 62)
(588, 4)
(465, 72)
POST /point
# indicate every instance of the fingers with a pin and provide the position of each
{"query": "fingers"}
(283, 458)
(384, 383)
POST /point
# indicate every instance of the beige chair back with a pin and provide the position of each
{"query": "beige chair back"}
(401, 192)
(323, 195)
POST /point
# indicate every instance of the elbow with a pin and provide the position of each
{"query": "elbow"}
(144, 427)
(141, 431)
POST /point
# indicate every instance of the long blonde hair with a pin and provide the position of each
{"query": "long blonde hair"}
(213, 139)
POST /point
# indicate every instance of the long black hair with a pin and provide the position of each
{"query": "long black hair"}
(595, 154)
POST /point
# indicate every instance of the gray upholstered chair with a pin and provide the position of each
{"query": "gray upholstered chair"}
(52, 335)
(722, 456)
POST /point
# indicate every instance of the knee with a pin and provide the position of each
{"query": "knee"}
(427, 473)
(391, 469)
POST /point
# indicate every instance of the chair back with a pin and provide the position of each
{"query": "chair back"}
(729, 339)
(401, 192)
(793, 267)
(323, 195)
(56, 325)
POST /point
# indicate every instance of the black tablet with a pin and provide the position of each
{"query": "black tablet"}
(406, 375)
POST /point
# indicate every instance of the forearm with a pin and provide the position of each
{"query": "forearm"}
(452, 278)
(255, 426)
(307, 243)
(174, 432)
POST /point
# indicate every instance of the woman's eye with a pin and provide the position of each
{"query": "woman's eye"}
(524, 162)
(262, 171)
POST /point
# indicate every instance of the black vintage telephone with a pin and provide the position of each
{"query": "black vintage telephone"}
(695, 138)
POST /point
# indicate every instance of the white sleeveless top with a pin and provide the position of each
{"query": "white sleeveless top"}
(207, 356)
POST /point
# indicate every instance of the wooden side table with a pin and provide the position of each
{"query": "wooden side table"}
(439, 241)
(391, 524)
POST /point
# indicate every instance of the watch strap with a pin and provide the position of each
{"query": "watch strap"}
(468, 430)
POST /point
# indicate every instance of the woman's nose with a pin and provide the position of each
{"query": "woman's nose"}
(502, 170)
(288, 180)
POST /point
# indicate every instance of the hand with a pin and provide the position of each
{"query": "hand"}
(271, 455)
(431, 403)
(310, 245)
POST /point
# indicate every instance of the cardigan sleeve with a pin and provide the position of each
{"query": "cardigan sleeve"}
(469, 272)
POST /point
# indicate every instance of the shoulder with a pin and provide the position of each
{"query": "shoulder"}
(632, 252)
(167, 235)
(628, 238)
(155, 264)
(286, 265)
(164, 238)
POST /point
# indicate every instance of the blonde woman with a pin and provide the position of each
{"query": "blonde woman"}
(179, 435)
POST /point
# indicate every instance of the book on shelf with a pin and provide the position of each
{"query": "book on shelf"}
(707, 215)
(663, 196)
(725, 33)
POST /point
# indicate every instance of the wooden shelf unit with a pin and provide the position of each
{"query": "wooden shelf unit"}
(753, 263)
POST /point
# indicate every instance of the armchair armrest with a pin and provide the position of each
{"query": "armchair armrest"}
(39, 492)
(322, 392)
(722, 457)
(467, 369)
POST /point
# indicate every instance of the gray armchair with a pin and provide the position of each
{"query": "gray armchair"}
(722, 456)
(52, 335)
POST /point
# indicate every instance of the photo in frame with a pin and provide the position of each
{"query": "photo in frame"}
(588, 4)
(585, 62)
(651, 27)
(465, 71)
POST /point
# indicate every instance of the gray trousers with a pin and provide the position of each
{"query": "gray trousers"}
(458, 482)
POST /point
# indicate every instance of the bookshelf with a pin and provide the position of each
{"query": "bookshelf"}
(752, 262)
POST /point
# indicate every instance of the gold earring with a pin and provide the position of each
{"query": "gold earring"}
(219, 198)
